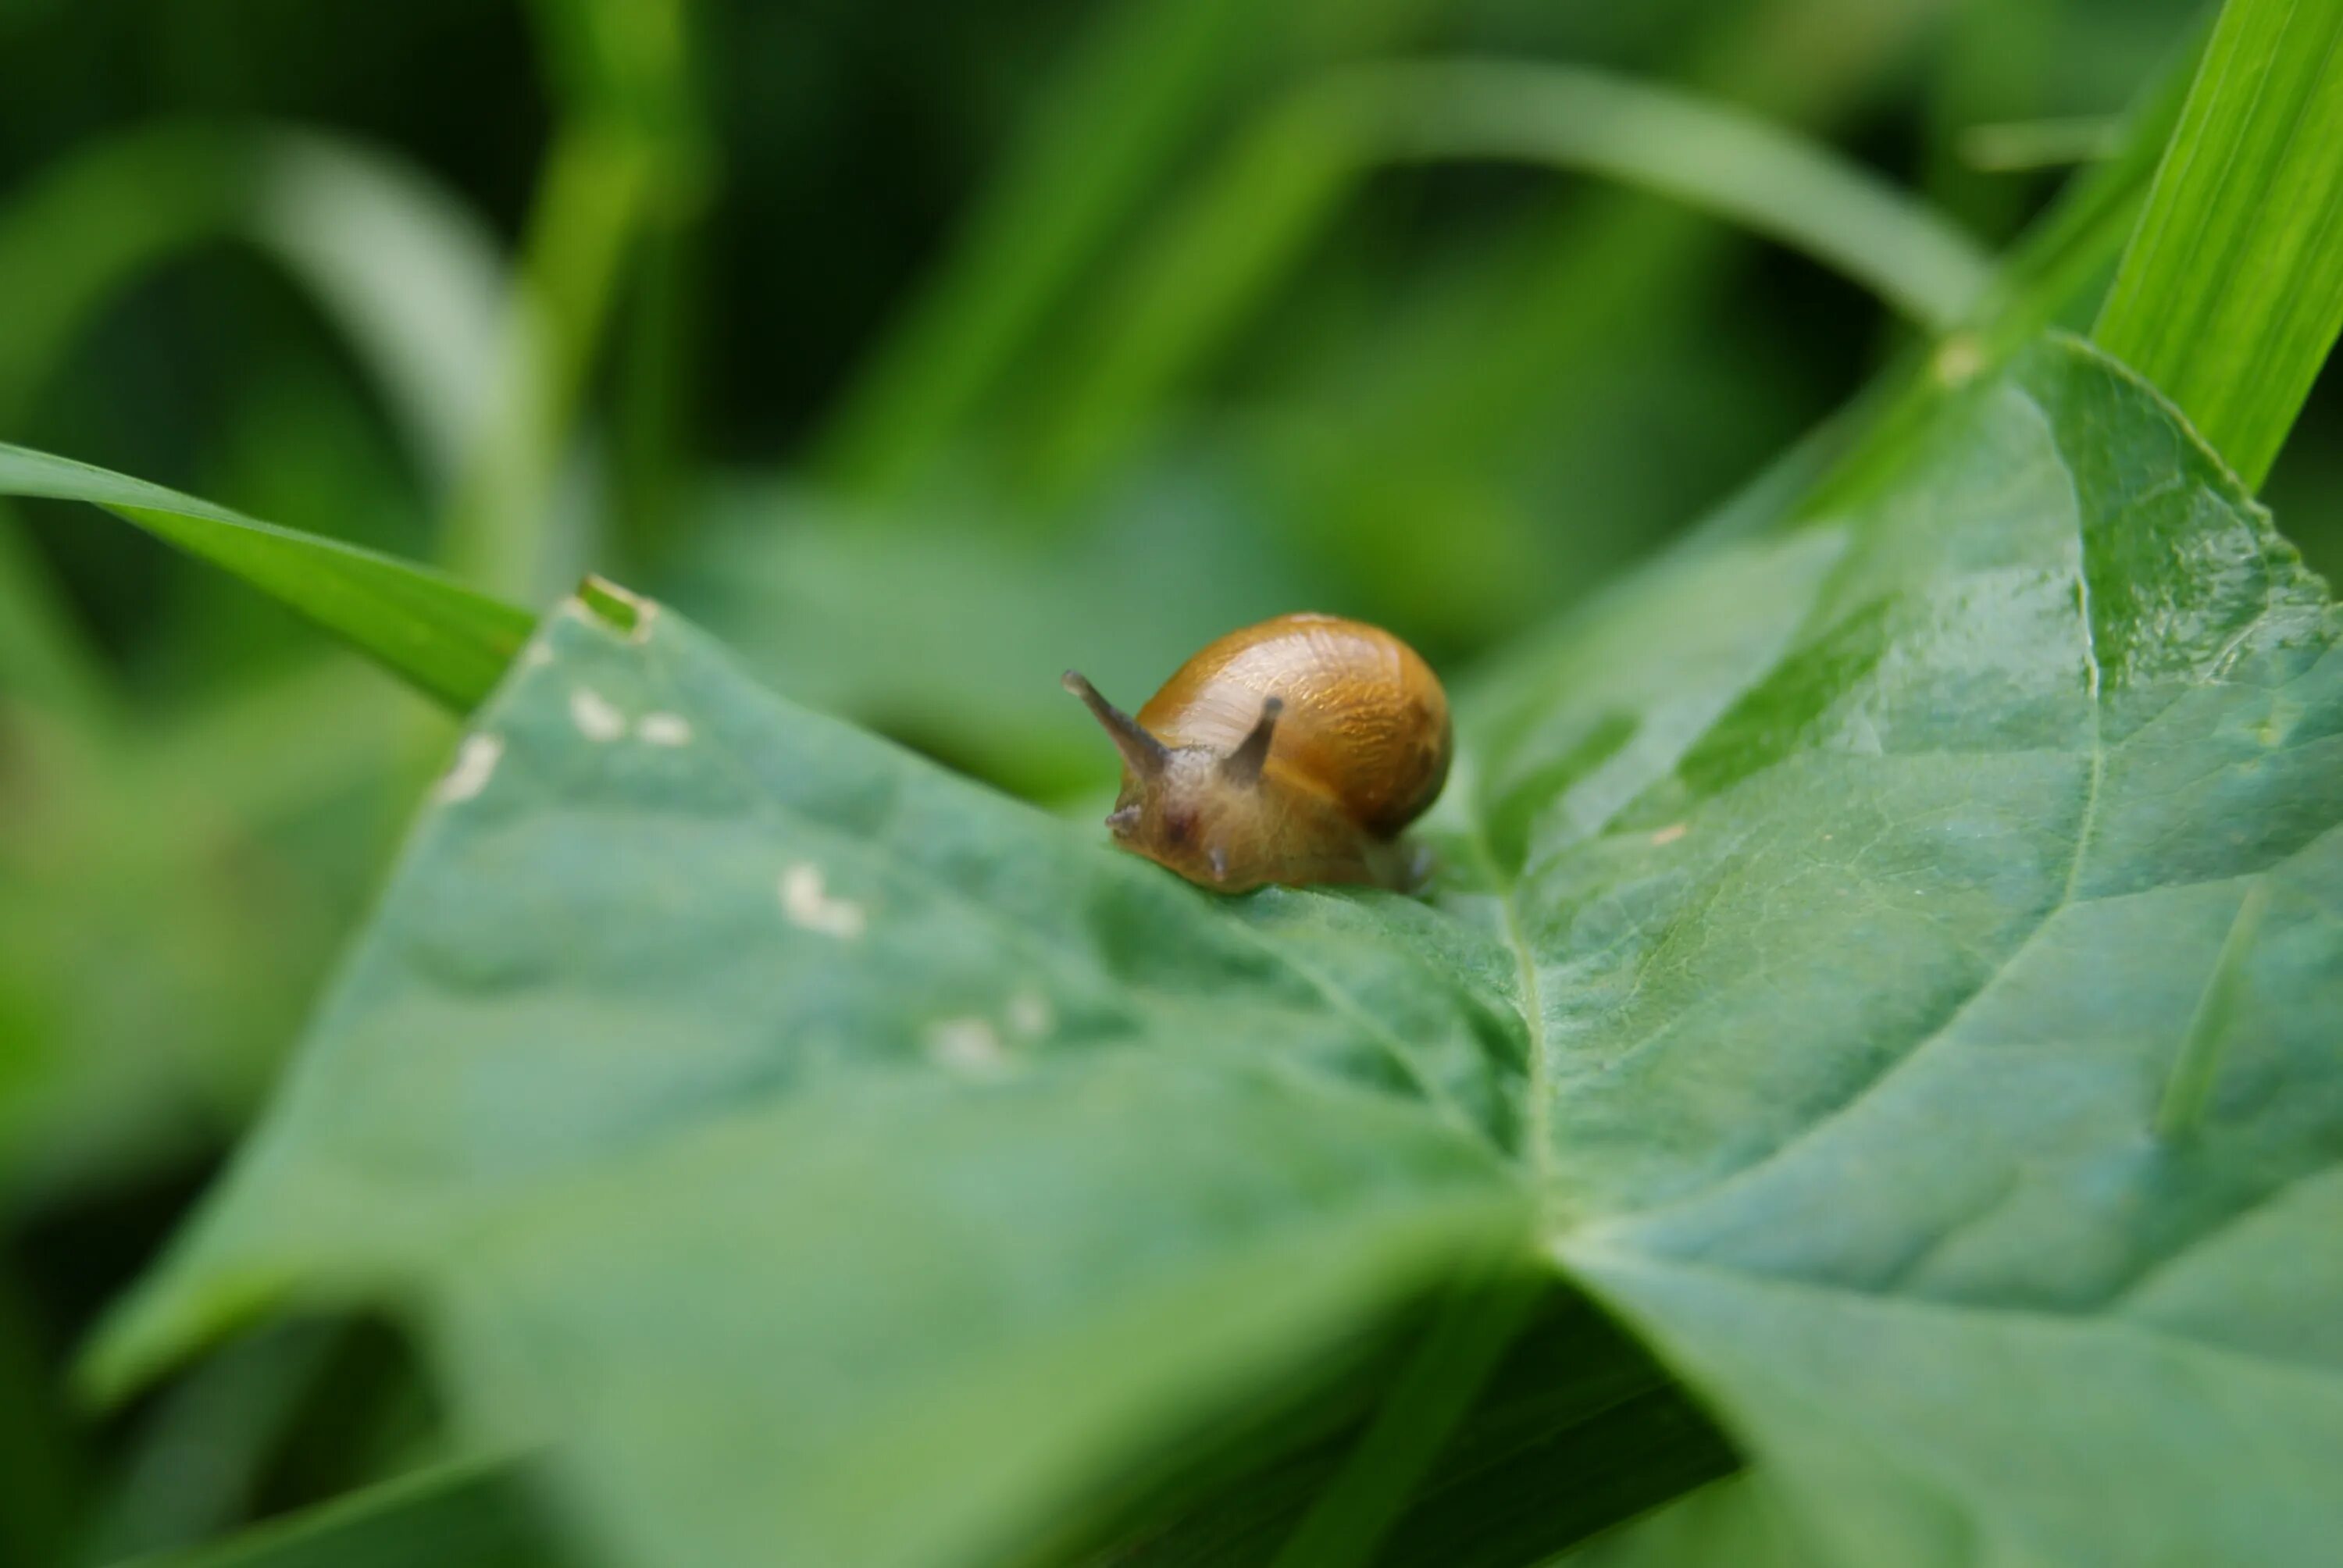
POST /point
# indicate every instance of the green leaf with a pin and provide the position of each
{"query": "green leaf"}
(1839, 958)
(966, 1149)
(459, 1515)
(446, 640)
(1870, 932)
(2231, 293)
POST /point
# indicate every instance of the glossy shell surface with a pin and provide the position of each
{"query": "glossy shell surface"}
(1365, 723)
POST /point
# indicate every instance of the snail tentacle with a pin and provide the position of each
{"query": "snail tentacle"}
(1244, 765)
(1146, 755)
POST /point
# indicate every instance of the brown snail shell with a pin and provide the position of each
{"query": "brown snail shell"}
(1293, 751)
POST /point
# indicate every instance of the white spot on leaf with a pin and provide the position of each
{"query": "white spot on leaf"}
(1669, 834)
(595, 718)
(808, 903)
(536, 655)
(966, 1045)
(1029, 1014)
(475, 760)
(664, 730)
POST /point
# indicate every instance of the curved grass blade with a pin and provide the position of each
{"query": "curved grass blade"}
(1709, 155)
(438, 635)
(1254, 218)
(410, 274)
(407, 273)
(1133, 96)
(463, 1514)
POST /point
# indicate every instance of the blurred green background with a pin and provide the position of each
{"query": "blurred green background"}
(919, 350)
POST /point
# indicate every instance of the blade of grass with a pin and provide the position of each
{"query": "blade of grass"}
(198, 1458)
(631, 65)
(1433, 1394)
(2231, 292)
(75, 237)
(589, 208)
(465, 1514)
(1121, 110)
(409, 275)
(1478, 368)
(1248, 226)
(2067, 252)
(2054, 270)
(628, 159)
(412, 278)
(2054, 267)
(1113, 117)
(444, 638)
(1708, 155)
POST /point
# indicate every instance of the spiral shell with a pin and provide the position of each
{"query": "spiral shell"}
(1291, 751)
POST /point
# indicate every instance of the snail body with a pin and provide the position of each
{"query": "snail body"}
(1293, 751)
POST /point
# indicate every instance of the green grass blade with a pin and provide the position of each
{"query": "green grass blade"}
(2231, 293)
(442, 638)
(1139, 90)
(2050, 276)
(1473, 372)
(1250, 226)
(1124, 107)
(1429, 1399)
(467, 1514)
(1709, 155)
(630, 160)
(589, 212)
(407, 274)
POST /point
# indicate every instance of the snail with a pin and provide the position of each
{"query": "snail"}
(1293, 751)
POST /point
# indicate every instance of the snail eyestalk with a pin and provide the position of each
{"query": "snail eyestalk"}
(1244, 765)
(1145, 753)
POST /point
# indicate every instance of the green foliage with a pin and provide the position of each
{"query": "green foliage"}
(1854, 1092)
(448, 640)
(1285, 181)
(2232, 291)
(454, 1516)
(712, 1068)
(1944, 882)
